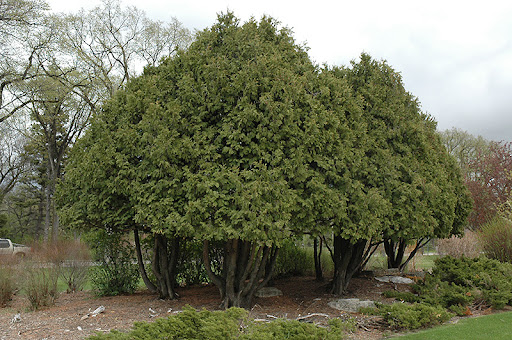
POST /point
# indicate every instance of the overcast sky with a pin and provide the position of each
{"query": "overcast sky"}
(455, 56)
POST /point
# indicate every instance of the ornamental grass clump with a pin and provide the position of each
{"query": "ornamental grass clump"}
(496, 239)
(7, 284)
(40, 283)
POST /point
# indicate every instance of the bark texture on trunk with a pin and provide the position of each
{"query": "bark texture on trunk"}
(347, 258)
(165, 258)
(395, 251)
(247, 267)
(317, 254)
(142, 269)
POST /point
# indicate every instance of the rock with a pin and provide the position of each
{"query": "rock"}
(152, 312)
(350, 305)
(98, 310)
(268, 292)
(394, 279)
(310, 317)
(16, 318)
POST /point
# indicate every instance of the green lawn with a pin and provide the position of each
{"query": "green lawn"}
(419, 262)
(495, 327)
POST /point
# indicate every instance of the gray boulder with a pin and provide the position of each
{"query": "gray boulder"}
(350, 305)
(394, 279)
(268, 292)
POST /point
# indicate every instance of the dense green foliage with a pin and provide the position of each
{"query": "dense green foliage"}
(495, 237)
(189, 324)
(242, 140)
(481, 279)
(454, 286)
(219, 143)
(230, 324)
(292, 329)
(226, 129)
(116, 273)
(420, 184)
(293, 260)
(400, 183)
(406, 316)
(457, 284)
(421, 189)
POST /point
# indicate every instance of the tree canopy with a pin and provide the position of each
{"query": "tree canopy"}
(241, 139)
(403, 184)
(214, 143)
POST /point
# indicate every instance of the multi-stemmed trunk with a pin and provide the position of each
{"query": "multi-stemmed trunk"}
(164, 264)
(347, 257)
(165, 259)
(317, 254)
(140, 260)
(395, 251)
(246, 268)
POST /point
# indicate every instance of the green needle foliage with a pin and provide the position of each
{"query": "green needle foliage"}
(458, 284)
(230, 324)
(403, 184)
(241, 141)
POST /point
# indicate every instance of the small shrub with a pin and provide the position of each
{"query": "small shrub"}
(229, 324)
(190, 269)
(114, 280)
(496, 239)
(117, 272)
(406, 316)
(70, 257)
(7, 284)
(74, 272)
(467, 245)
(40, 275)
(456, 284)
(292, 260)
(481, 278)
(40, 283)
(293, 329)
(345, 326)
(402, 296)
(189, 324)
